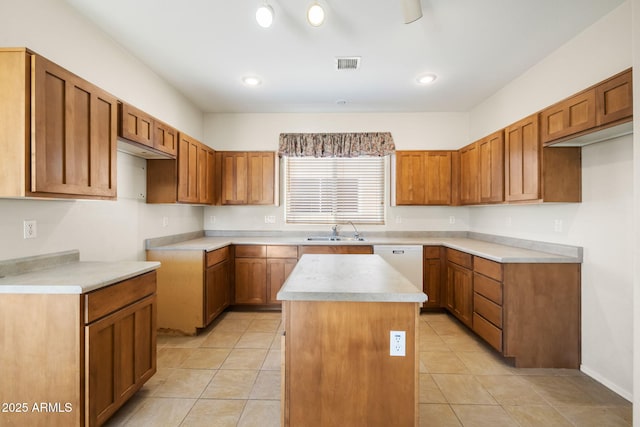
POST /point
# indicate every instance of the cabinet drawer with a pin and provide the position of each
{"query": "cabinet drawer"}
(487, 309)
(431, 252)
(104, 301)
(488, 288)
(487, 331)
(488, 268)
(460, 258)
(279, 251)
(217, 256)
(251, 251)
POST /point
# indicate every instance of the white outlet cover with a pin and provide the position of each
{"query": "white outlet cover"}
(397, 343)
(30, 229)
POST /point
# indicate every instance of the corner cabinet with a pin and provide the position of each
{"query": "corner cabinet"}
(67, 128)
(194, 287)
(189, 179)
(246, 177)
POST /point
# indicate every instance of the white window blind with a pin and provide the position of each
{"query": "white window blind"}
(332, 190)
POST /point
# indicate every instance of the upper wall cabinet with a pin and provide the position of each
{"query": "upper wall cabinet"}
(469, 174)
(59, 132)
(246, 177)
(491, 153)
(189, 179)
(423, 177)
(145, 136)
(583, 115)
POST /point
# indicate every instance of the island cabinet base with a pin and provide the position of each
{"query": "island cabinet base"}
(337, 367)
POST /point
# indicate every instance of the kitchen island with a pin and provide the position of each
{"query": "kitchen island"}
(340, 313)
(78, 338)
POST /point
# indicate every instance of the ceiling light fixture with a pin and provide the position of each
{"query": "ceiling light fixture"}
(315, 14)
(426, 79)
(264, 15)
(251, 81)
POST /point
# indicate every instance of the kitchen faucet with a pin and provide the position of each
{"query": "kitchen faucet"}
(356, 234)
(334, 231)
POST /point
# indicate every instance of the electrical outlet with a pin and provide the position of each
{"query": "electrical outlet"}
(165, 221)
(452, 219)
(29, 228)
(269, 219)
(557, 226)
(398, 220)
(397, 343)
(212, 219)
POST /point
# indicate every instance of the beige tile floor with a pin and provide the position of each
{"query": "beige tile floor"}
(229, 375)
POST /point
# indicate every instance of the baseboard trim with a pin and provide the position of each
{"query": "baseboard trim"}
(611, 386)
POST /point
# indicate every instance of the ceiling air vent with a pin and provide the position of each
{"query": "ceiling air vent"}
(347, 63)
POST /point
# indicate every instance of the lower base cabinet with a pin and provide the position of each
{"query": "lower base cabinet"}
(76, 359)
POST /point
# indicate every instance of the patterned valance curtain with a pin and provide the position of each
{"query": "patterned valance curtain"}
(336, 144)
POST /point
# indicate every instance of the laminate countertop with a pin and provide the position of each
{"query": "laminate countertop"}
(503, 253)
(44, 275)
(361, 278)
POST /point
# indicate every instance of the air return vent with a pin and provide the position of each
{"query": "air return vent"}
(347, 63)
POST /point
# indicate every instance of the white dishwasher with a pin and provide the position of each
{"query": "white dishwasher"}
(407, 259)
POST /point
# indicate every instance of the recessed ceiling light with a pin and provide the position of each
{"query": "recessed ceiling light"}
(251, 81)
(264, 16)
(315, 14)
(426, 79)
(341, 102)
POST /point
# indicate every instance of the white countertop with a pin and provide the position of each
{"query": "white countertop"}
(493, 251)
(74, 277)
(363, 278)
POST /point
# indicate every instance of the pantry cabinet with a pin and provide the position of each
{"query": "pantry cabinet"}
(423, 177)
(59, 131)
(246, 177)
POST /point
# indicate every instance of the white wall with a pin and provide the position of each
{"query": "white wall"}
(108, 230)
(603, 222)
(410, 131)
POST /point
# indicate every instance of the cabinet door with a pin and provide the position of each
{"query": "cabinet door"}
(522, 160)
(120, 357)
(460, 293)
(491, 151)
(570, 116)
(188, 153)
(438, 178)
(73, 145)
(614, 99)
(165, 138)
(469, 172)
(432, 282)
(410, 182)
(206, 170)
(251, 281)
(261, 178)
(234, 178)
(135, 125)
(277, 272)
(216, 291)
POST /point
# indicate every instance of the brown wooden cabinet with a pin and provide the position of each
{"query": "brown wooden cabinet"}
(491, 172)
(261, 270)
(246, 178)
(217, 290)
(189, 179)
(469, 174)
(522, 160)
(334, 249)
(59, 131)
(121, 353)
(459, 286)
(151, 137)
(87, 353)
(487, 301)
(432, 276)
(605, 104)
(423, 177)
(194, 287)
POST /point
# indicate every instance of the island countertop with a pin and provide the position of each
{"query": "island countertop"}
(356, 278)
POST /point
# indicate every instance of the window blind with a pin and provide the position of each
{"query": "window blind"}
(334, 190)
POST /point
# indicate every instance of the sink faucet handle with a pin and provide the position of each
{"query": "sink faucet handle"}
(334, 230)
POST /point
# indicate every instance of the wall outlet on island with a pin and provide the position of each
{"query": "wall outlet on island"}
(397, 343)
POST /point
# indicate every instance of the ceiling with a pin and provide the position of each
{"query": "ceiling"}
(204, 48)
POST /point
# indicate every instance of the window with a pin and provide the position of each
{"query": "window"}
(334, 190)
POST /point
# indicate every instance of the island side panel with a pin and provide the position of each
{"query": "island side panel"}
(338, 368)
(40, 363)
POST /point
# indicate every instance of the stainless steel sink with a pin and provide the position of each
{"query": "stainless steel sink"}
(335, 239)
